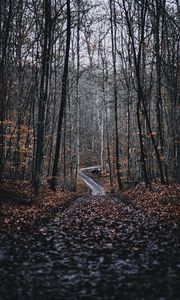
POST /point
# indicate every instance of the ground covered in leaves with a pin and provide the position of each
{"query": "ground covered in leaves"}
(162, 201)
(21, 208)
(96, 248)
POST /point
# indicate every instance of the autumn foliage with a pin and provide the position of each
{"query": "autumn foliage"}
(161, 200)
(19, 215)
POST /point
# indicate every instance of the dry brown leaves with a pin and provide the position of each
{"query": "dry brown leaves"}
(15, 216)
(161, 200)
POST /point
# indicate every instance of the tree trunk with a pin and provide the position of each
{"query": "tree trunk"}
(114, 50)
(43, 96)
(63, 101)
(77, 97)
(4, 37)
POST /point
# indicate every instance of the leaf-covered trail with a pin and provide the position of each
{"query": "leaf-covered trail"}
(97, 248)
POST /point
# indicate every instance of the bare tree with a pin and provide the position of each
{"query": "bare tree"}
(114, 53)
(63, 99)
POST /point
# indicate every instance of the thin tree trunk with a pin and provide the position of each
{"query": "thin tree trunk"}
(64, 154)
(4, 36)
(158, 86)
(53, 182)
(113, 42)
(43, 96)
(77, 97)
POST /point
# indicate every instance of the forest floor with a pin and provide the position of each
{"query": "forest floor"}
(20, 208)
(92, 247)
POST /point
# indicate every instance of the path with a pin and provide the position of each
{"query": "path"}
(99, 248)
(96, 189)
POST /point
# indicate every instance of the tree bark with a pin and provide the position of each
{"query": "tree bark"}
(114, 50)
(53, 182)
(4, 37)
(43, 96)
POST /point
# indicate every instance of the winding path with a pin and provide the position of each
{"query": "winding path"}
(96, 189)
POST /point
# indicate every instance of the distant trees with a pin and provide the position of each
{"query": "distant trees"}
(140, 52)
(84, 83)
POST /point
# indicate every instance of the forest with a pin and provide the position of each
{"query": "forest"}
(89, 82)
(89, 149)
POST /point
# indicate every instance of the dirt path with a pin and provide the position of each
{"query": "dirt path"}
(96, 189)
(97, 248)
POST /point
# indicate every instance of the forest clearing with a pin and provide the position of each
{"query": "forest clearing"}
(89, 149)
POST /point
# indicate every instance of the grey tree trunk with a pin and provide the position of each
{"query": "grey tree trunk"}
(114, 51)
(53, 182)
(43, 96)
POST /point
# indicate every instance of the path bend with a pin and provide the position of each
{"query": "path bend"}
(96, 189)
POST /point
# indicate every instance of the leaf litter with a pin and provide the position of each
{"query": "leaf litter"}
(96, 248)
